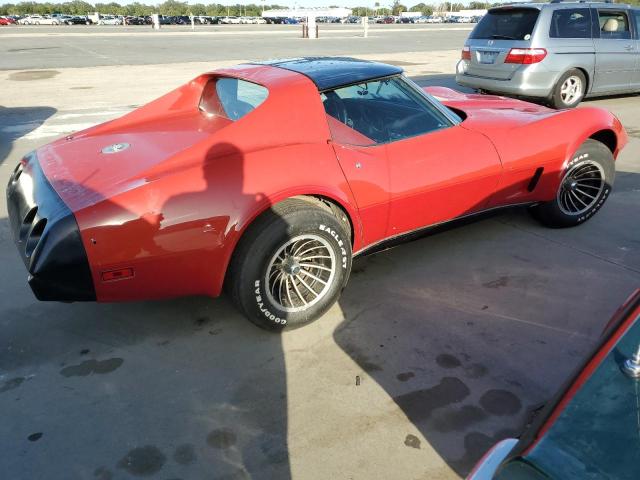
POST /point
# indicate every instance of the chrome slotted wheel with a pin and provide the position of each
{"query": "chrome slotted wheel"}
(300, 273)
(581, 187)
(571, 90)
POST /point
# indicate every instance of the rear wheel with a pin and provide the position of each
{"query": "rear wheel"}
(291, 265)
(585, 186)
(570, 90)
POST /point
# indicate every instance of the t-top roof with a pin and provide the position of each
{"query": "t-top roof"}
(332, 72)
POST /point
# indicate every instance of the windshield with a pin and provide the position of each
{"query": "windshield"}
(507, 24)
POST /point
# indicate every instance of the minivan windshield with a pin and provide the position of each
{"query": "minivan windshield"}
(507, 24)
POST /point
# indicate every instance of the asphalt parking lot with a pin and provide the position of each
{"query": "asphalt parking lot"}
(453, 338)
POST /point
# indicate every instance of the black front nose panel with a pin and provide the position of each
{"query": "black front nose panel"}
(47, 236)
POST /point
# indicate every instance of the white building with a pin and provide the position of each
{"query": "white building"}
(466, 13)
(308, 12)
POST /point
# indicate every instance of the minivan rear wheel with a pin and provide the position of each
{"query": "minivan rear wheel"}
(570, 90)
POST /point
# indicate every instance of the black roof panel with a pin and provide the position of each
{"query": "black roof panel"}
(332, 72)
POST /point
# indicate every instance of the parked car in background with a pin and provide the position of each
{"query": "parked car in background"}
(386, 20)
(557, 53)
(110, 20)
(589, 430)
(227, 202)
(39, 20)
(134, 20)
(6, 21)
(230, 20)
(27, 20)
(435, 19)
(74, 20)
(182, 20)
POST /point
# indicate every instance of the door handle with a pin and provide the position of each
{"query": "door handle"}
(628, 47)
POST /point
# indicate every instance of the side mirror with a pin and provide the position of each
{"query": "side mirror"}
(631, 366)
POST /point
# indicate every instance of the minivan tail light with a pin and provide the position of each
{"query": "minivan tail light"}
(525, 56)
(466, 53)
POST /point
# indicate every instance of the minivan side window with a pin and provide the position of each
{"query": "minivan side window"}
(636, 14)
(614, 25)
(571, 23)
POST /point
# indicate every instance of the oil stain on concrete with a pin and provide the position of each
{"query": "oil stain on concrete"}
(11, 384)
(89, 367)
(34, 437)
(500, 282)
(459, 419)
(29, 75)
(405, 376)
(500, 402)
(446, 360)
(222, 438)
(420, 404)
(143, 461)
(412, 441)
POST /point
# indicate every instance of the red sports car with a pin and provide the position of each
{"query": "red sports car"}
(268, 178)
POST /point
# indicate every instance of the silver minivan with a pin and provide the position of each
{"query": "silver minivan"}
(558, 52)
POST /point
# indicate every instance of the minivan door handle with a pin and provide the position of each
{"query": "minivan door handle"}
(628, 47)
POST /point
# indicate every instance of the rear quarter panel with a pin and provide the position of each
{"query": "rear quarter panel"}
(178, 229)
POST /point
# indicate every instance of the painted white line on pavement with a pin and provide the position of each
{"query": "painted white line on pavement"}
(324, 33)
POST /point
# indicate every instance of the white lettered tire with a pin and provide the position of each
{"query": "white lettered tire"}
(291, 264)
(584, 187)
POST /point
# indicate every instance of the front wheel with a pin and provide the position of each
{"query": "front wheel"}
(291, 265)
(585, 186)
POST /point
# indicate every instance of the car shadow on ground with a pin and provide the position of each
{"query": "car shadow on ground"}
(15, 123)
(471, 330)
(177, 388)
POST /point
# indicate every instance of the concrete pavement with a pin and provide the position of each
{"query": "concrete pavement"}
(436, 350)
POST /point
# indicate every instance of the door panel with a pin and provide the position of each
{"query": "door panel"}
(615, 52)
(367, 171)
(439, 176)
(635, 80)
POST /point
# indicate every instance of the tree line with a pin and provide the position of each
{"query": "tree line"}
(136, 9)
(173, 7)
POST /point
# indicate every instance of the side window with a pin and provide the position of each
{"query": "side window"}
(614, 24)
(571, 23)
(380, 111)
(231, 98)
(636, 14)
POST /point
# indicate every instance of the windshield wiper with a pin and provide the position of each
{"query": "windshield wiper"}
(502, 37)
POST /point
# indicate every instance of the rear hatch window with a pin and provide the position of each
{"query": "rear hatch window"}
(507, 24)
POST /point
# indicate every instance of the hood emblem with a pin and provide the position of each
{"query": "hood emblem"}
(115, 148)
(490, 42)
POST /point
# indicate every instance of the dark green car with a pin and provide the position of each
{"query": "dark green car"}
(591, 429)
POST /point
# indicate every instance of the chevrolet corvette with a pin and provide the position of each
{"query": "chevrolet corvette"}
(266, 179)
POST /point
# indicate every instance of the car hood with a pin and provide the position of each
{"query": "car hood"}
(488, 113)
